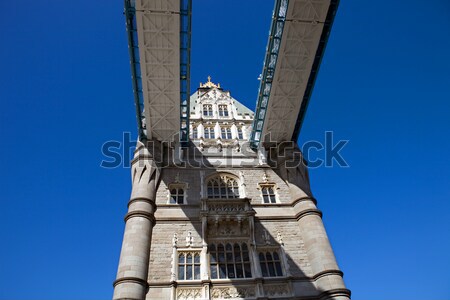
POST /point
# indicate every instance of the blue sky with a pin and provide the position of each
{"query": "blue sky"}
(65, 89)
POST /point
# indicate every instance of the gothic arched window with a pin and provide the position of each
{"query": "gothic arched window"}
(207, 110)
(229, 261)
(189, 266)
(226, 133)
(240, 134)
(223, 110)
(209, 133)
(224, 187)
(270, 264)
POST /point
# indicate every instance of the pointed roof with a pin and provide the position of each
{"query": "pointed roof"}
(207, 87)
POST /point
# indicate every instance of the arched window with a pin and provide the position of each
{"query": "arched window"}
(207, 110)
(209, 133)
(189, 266)
(270, 264)
(226, 133)
(224, 187)
(229, 261)
(240, 134)
(223, 110)
(177, 196)
(268, 193)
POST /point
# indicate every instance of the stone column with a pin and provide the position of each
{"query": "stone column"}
(325, 271)
(131, 280)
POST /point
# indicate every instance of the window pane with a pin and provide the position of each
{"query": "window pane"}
(244, 247)
(189, 272)
(272, 199)
(271, 268)
(278, 269)
(189, 259)
(247, 270)
(220, 247)
(180, 272)
(230, 268)
(275, 256)
(213, 257)
(214, 271)
(229, 257)
(237, 253)
(264, 270)
(196, 272)
(266, 199)
(245, 256)
(221, 257)
(180, 200)
(262, 258)
(236, 192)
(239, 271)
(222, 271)
(197, 259)
(181, 259)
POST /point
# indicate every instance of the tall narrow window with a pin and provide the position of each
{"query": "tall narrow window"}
(240, 135)
(223, 187)
(268, 194)
(223, 110)
(229, 261)
(177, 196)
(207, 110)
(189, 266)
(195, 133)
(209, 133)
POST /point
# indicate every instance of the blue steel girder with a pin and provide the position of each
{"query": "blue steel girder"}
(185, 68)
(136, 79)
(273, 47)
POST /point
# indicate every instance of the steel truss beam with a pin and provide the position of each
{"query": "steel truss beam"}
(284, 94)
(159, 38)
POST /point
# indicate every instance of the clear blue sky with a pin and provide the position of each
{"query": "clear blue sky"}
(65, 89)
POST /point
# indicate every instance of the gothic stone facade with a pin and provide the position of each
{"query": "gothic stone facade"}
(217, 220)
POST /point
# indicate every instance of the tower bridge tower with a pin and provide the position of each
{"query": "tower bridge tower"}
(221, 205)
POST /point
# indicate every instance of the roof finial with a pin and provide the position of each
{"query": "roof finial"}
(209, 84)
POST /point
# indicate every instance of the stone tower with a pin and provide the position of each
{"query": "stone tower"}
(217, 220)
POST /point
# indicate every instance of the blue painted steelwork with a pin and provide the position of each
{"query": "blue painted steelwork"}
(273, 47)
(133, 49)
(185, 68)
(315, 67)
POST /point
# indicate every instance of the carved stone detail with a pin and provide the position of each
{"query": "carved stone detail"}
(189, 293)
(233, 292)
(277, 290)
(225, 208)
